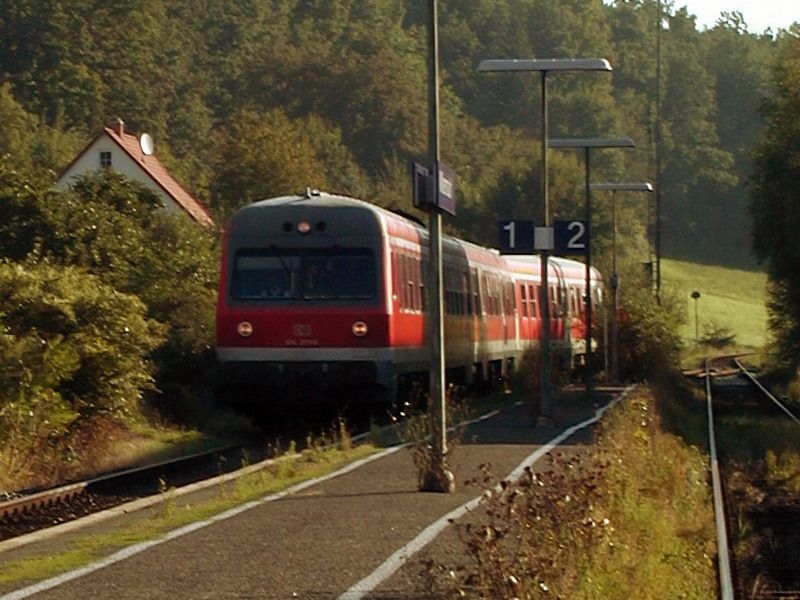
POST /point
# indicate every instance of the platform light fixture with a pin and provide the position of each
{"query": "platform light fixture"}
(545, 66)
(587, 144)
(614, 187)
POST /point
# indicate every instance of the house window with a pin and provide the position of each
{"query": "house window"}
(105, 159)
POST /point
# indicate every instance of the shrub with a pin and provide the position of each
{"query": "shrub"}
(117, 230)
(619, 519)
(72, 339)
(649, 339)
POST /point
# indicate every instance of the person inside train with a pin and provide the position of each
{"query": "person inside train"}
(319, 280)
(275, 288)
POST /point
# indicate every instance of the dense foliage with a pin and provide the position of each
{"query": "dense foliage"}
(71, 348)
(104, 298)
(775, 205)
(249, 99)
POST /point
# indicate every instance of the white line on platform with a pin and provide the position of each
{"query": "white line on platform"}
(141, 547)
(360, 589)
(401, 556)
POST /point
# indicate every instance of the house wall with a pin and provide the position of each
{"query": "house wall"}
(120, 162)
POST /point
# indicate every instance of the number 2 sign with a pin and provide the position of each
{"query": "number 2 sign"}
(571, 237)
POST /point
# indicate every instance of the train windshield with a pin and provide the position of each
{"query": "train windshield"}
(276, 274)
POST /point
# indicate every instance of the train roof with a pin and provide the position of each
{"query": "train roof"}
(528, 264)
(315, 198)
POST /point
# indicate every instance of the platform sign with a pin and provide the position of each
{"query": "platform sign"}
(446, 199)
(571, 237)
(516, 237)
(421, 185)
(422, 188)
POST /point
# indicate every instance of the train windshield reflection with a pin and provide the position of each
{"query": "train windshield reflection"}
(306, 274)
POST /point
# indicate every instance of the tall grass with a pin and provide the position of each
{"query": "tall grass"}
(630, 518)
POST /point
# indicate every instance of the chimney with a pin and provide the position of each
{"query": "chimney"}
(118, 126)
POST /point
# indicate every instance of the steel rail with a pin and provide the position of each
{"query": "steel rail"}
(50, 497)
(725, 579)
(753, 378)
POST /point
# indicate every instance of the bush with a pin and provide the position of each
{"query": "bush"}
(117, 230)
(73, 340)
(619, 519)
(71, 349)
(649, 339)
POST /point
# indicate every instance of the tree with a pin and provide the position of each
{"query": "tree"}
(261, 156)
(775, 196)
(117, 231)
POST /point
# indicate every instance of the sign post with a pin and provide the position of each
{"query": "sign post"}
(545, 66)
(586, 144)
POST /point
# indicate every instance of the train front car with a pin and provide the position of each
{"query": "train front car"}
(302, 301)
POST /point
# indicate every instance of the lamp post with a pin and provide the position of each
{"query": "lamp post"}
(545, 66)
(614, 188)
(438, 478)
(587, 144)
(696, 297)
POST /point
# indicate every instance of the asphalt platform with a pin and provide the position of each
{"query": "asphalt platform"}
(362, 533)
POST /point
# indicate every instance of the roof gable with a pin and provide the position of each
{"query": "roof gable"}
(154, 170)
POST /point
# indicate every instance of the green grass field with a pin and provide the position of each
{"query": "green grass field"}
(730, 299)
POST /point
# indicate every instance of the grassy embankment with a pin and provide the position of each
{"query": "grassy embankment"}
(731, 300)
(634, 516)
(627, 518)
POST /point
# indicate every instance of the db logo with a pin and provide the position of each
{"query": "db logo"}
(301, 330)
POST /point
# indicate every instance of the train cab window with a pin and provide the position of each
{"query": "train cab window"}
(306, 274)
(523, 300)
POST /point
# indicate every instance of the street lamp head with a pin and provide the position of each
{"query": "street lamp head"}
(644, 186)
(623, 142)
(544, 64)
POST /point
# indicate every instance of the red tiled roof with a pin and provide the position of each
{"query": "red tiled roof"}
(159, 173)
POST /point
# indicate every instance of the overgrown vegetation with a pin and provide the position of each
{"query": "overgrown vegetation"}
(416, 426)
(106, 311)
(622, 520)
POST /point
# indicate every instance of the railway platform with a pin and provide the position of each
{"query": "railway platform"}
(363, 533)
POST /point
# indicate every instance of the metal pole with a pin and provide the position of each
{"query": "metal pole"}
(439, 479)
(588, 299)
(658, 155)
(546, 408)
(614, 288)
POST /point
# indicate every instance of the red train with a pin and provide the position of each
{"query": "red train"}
(328, 291)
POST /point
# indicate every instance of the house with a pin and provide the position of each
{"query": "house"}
(133, 156)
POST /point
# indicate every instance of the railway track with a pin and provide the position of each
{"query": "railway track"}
(36, 509)
(31, 511)
(758, 515)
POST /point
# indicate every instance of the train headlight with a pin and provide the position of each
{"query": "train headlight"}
(360, 329)
(303, 227)
(244, 329)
